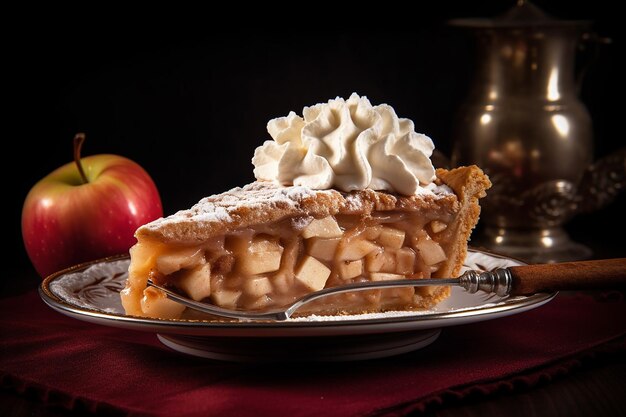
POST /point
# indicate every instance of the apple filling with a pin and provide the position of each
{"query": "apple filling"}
(271, 265)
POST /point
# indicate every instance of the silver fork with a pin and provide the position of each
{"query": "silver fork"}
(287, 311)
(514, 280)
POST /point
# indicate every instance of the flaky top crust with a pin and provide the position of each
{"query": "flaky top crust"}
(266, 202)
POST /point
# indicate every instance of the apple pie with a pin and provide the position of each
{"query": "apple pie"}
(345, 194)
(263, 246)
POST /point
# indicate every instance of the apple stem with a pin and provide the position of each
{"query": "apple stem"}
(79, 138)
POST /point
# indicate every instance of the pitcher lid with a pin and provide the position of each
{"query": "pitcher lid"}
(523, 15)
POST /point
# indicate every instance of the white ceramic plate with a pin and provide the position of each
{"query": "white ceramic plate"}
(90, 292)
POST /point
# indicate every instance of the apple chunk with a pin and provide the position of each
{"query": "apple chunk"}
(312, 273)
(372, 232)
(357, 249)
(176, 260)
(196, 283)
(350, 269)
(321, 248)
(430, 251)
(438, 226)
(260, 303)
(384, 276)
(380, 261)
(258, 286)
(155, 303)
(326, 227)
(282, 283)
(262, 256)
(405, 261)
(391, 238)
(226, 298)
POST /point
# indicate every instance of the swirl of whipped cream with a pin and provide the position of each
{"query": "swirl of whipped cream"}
(347, 145)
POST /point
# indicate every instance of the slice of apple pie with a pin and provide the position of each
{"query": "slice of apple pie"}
(264, 246)
(346, 194)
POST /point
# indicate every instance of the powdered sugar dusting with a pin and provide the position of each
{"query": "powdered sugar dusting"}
(354, 202)
(222, 207)
(264, 196)
(365, 316)
(217, 214)
(438, 189)
(390, 314)
(299, 223)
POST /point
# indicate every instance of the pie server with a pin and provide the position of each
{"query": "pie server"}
(510, 281)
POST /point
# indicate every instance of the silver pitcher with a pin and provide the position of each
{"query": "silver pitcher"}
(524, 124)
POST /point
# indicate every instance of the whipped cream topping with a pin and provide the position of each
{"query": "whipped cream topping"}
(346, 145)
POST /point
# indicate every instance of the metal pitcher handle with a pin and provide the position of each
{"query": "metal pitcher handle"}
(602, 182)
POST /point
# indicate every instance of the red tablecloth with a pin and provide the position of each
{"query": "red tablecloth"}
(78, 365)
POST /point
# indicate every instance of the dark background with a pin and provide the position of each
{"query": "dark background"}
(190, 103)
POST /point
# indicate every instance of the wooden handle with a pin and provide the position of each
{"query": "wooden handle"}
(583, 275)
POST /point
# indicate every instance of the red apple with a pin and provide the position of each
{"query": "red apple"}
(87, 209)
